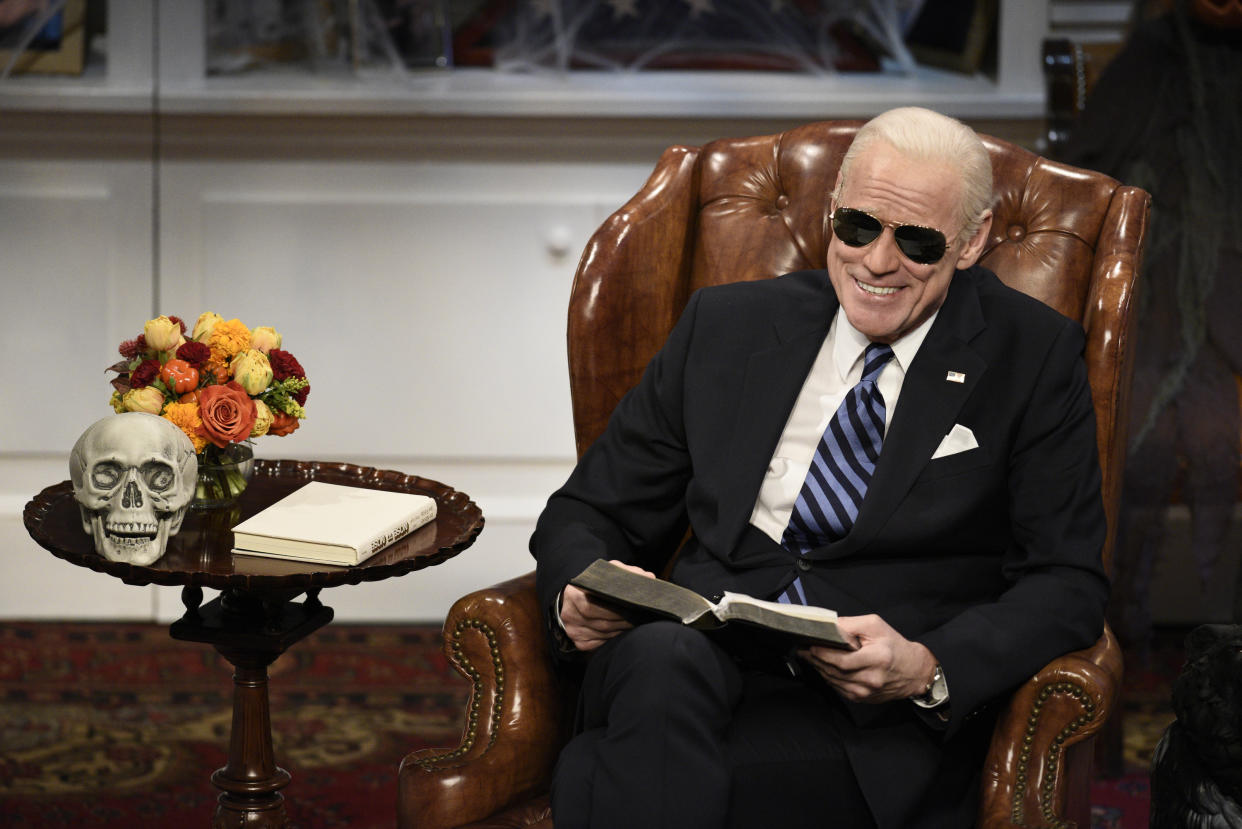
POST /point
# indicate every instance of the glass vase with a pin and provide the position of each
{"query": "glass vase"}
(223, 475)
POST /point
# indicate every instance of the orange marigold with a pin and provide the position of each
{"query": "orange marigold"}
(227, 340)
(185, 417)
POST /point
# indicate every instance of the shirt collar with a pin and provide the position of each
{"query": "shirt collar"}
(849, 343)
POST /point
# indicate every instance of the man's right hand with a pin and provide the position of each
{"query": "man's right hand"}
(589, 623)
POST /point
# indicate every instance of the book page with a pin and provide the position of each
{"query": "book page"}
(816, 625)
(801, 611)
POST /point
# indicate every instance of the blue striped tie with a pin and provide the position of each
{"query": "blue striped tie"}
(841, 469)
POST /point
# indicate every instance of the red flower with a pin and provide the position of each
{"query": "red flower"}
(132, 348)
(285, 365)
(146, 372)
(180, 322)
(196, 354)
(228, 413)
(300, 395)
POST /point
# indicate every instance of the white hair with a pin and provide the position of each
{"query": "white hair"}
(923, 135)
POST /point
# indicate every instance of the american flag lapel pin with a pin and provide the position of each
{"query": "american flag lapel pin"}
(955, 377)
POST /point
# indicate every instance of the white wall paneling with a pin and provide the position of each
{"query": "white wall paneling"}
(76, 236)
(427, 302)
(77, 263)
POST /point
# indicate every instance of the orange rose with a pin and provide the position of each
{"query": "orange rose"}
(228, 413)
(282, 424)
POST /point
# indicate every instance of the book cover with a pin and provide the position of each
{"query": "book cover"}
(332, 524)
(815, 625)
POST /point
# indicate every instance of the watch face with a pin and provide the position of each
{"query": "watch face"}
(940, 689)
(936, 693)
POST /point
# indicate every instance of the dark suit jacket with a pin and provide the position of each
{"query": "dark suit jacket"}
(990, 557)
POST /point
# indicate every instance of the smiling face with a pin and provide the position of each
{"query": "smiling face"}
(885, 295)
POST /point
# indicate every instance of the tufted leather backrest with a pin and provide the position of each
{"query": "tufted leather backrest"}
(754, 208)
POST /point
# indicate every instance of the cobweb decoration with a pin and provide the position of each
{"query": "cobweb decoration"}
(798, 35)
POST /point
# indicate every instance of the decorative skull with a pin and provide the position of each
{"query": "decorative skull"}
(133, 477)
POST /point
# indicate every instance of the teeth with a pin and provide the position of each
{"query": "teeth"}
(132, 528)
(875, 289)
(127, 542)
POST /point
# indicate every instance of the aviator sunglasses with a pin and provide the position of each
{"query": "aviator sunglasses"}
(923, 245)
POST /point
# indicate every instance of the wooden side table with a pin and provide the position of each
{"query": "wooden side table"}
(255, 617)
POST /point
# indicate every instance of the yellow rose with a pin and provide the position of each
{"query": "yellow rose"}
(252, 371)
(162, 334)
(265, 338)
(146, 399)
(206, 322)
(263, 419)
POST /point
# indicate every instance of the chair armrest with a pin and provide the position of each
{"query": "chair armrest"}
(496, 638)
(1037, 771)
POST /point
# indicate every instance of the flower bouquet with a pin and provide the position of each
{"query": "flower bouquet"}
(223, 386)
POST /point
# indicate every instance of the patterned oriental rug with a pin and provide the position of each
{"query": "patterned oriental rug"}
(117, 725)
(107, 725)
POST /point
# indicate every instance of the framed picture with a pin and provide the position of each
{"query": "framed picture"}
(57, 47)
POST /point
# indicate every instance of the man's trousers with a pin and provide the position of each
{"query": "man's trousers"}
(676, 731)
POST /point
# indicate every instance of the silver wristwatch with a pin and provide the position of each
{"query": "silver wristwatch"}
(936, 693)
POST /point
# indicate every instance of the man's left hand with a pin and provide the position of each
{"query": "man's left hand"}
(885, 666)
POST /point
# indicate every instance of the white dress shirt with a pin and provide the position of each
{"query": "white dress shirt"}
(837, 369)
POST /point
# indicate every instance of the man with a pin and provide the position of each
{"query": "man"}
(963, 553)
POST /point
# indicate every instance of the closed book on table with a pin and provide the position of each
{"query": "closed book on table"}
(333, 524)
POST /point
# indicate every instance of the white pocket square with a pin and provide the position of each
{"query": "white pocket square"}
(959, 439)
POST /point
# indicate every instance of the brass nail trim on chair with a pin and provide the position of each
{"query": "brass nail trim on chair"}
(476, 688)
(1047, 792)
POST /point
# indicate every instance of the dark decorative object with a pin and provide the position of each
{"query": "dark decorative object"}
(1165, 116)
(956, 34)
(1196, 777)
(42, 38)
(327, 34)
(791, 35)
(418, 31)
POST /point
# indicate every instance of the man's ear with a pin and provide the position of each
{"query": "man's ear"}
(974, 247)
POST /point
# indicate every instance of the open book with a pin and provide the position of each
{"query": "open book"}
(616, 585)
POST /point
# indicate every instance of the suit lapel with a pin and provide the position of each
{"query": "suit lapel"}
(773, 379)
(926, 411)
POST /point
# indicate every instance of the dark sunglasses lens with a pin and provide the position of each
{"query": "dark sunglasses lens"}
(855, 228)
(921, 244)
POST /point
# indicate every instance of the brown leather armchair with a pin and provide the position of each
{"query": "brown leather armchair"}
(754, 208)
